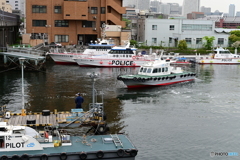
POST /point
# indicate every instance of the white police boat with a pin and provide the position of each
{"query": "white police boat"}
(118, 56)
(219, 56)
(157, 73)
(61, 56)
(25, 143)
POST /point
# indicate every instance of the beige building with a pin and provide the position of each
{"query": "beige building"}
(5, 7)
(71, 22)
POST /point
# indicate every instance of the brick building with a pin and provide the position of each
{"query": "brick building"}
(70, 21)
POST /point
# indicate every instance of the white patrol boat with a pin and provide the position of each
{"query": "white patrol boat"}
(220, 56)
(119, 56)
(60, 56)
(25, 143)
(156, 73)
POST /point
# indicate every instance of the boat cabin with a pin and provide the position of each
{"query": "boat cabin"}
(158, 68)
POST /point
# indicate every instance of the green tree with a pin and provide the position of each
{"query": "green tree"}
(160, 17)
(182, 44)
(133, 43)
(236, 45)
(128, 22)
(209, 42)
(234, 36)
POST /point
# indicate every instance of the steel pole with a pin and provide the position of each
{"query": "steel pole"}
(21, 60)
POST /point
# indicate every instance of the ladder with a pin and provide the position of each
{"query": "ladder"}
(116, 140)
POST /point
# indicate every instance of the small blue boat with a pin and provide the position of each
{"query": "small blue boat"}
(25, 143)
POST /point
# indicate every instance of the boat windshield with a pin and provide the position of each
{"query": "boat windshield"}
(121, 52)
(149, 70)
(223, 52)
(99, 47)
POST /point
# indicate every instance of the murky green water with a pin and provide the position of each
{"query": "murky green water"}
(182, 121)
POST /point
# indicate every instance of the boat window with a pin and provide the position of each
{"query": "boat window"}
(144, 70)
(141, 69)
(159, 70)
(155, 70)
(163, 70)
(166, 69)
(149, 70)
(2, 142)
(3, 129)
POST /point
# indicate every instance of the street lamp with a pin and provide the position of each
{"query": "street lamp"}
(21, 61)
(93, 76)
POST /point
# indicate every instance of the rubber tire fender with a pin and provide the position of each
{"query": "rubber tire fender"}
(83, 156)
(63, 156)
(120, 152)
(44, 157)
(25, 157)
(4, 158)
(15, 157)
(100, 154)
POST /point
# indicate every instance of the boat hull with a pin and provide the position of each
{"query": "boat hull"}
(89, 62)
(147, 81)
(93, 150)
(219, 61)
(62, 58)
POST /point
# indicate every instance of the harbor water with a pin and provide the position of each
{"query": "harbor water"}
(182, 121)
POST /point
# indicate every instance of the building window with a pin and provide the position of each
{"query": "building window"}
(61, 23)
(103, 10)
(57, 9)
(197, 27)
(39, 23)
(61, 38)
(16, 4)
(188, 40)
(39, 9)
(198, 40)
(94, 10)
(88, 24)
(220, 40)
(171, 27)
(154, 27)
(170, 40)
(154, 41)
(16, 1)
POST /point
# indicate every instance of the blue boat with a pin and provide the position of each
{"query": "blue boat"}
(25, 143)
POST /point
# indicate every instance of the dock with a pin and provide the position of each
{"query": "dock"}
(75, 118)
(33, 58)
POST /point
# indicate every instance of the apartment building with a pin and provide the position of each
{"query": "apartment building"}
(4, 6)
(70, 21)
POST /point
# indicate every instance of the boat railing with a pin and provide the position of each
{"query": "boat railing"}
(116, 140)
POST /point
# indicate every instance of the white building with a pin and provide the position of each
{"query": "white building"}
(167, 32)
(231, 11)
(190, 6)
(138, 4)
(206, 10)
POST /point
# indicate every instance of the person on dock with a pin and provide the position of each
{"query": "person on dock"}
(79, 100)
